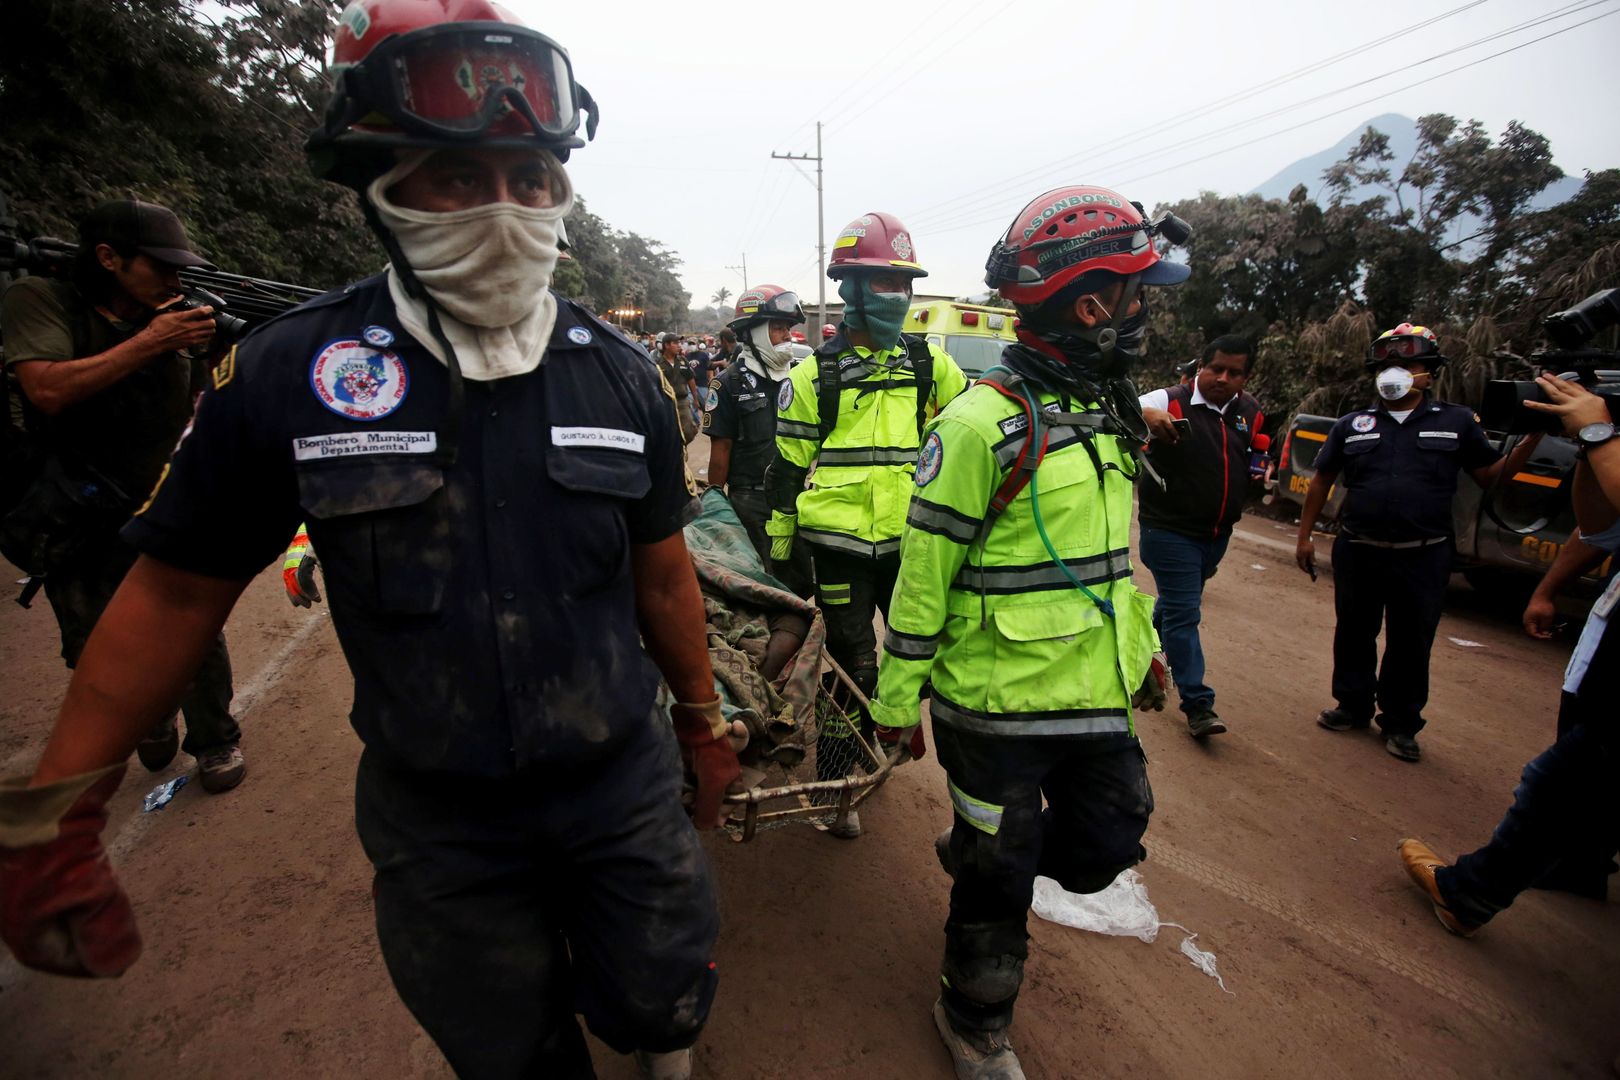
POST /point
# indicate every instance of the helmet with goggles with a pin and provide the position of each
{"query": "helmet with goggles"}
(877, 242)
(1405, 343)
(766, 303)
(439, 73)
(1071, 232)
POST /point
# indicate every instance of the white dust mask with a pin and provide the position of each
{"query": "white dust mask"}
(487, 267)
(1394, 383)
(777, 358)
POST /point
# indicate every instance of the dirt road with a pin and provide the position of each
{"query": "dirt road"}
(1274, 843)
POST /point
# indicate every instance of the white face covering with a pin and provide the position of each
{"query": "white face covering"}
(778, 358)
(1394, 383)
(488, 268)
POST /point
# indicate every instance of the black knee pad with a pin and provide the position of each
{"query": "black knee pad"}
(984, 962)
(865, 675)
(1093, 879)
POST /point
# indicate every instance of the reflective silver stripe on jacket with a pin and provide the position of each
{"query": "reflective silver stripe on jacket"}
(849, 456)
(1055, 722)
(853, 545)
(932, 517)
(910, 646)
(793, 429)
(1112, 566)
(986, 817)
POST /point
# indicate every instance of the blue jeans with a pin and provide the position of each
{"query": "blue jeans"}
(1567, 806)
(1180, 565)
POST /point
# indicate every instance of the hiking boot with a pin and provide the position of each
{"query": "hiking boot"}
(1421, 862)
(977, 1055)
(942, 852)
(1404, 747)
(1340, 720)
(158, 746)
(675, 1065)
(1202, 721)
(847, 829)
(221, 769)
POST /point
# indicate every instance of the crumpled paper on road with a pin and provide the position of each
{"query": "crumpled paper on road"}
(1121, 910)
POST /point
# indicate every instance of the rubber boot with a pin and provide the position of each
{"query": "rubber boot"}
(675, 1065)
(977, 1055)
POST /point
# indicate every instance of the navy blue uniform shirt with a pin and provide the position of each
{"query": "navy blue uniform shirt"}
(740, 404)
(1399, 478)
(486, 607)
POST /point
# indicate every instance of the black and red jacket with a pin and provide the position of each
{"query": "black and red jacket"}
(1206, 473)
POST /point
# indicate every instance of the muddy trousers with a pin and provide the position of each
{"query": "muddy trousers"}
(1098, 801)
(80, 593)
(506, 906)
(1566, 807)
(849, 591)
(1398, 590)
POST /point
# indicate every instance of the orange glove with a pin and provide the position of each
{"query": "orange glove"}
(61, 908)
(707, 750)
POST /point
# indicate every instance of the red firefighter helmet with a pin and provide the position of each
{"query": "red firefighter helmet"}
(1406, 342)
(1072, 231)
(827, 331)
(766, 303)
(874, 242)
(443, 73)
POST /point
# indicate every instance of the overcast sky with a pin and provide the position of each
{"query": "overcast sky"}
(953, 115)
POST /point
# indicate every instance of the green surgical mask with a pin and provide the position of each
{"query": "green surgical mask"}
(879, 314)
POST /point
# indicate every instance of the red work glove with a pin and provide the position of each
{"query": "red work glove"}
(707, 749)
(61, 908)
(897, 745)
(1151, 695)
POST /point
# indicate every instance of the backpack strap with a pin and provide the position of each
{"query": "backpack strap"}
(828, 390)
(1007, 383)
(922, 366)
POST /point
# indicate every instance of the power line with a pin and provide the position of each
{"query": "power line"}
(1313, 120)
(943, 217)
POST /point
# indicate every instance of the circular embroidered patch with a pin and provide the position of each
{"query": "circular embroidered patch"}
(901, 245)
(784, 396)
(579, 335)
(357, 381)
(928, 459)
(1364, 422)
(380, 336)
(711, 398)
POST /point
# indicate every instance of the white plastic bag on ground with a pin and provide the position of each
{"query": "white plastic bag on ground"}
(1123, 909)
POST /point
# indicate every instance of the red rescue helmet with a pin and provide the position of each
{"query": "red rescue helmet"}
(827, 331)
(766, 303)
(1071, 231)
(1406, 342)
(434, 73)
(874, 242)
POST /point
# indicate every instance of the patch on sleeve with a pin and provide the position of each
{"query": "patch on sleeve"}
(225, 370)
(784, 396)
(928, 459)
(711, 397)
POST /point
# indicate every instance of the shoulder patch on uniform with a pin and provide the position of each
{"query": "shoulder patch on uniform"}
(357, 381)
(379, 336)
(711, 397)
(1364, 422)
(225, 370)
(579, 335)
(928, 459)
(784, 396)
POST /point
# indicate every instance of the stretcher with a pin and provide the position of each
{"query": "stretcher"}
(812, 755)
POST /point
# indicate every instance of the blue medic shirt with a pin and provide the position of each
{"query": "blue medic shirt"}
(1399, 478)
(485, 607)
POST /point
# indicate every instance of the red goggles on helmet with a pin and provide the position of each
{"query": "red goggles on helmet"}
(1403, 348)
(468, 80)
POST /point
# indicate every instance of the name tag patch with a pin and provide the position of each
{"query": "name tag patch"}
(607, 438)
(353, 443)
(1437, 435)
(1363, 438)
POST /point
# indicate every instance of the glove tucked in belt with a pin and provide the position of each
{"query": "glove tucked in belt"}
(710, 757)
(298, 572)
(780, 528)
(61, 908)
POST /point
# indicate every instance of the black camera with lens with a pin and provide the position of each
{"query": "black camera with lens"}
(1598, 370)
(227, 327)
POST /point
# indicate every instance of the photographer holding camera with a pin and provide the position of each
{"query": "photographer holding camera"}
(104, 365)
(1573, 788)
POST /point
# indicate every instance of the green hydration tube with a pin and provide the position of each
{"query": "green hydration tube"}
(1104, 605)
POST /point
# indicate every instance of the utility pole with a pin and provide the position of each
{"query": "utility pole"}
(821, 235)
(743, 269)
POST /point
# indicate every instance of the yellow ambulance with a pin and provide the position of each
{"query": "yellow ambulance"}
(973, 335)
